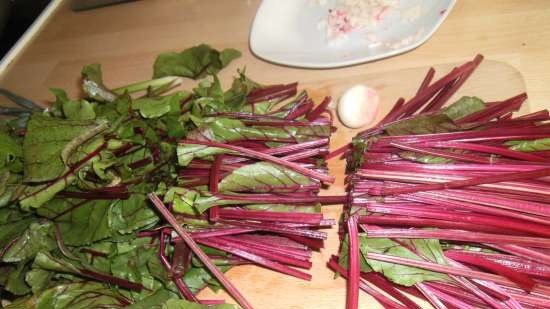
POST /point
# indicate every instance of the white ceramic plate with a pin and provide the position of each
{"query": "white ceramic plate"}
(290, 32)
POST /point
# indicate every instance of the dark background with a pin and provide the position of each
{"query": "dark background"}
(15, 17)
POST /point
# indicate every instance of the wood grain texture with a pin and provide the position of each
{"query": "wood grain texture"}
(513, 35)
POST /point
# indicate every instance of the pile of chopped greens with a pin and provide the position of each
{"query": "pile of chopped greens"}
(240, 171)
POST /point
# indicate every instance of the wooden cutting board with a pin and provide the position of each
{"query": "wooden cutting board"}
(492, 81)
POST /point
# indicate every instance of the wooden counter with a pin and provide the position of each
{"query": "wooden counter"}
(126, 38)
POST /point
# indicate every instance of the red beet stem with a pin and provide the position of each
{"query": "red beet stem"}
(489, 179)
(449, 270)
(198, 252)
(426, 81)
(381, 298)
(320, 109)
(520, 279)
(271, 216)
(352, 301)
(246, 254)
(214, 179)
(385, 285)
(266, 157)
(459, 235)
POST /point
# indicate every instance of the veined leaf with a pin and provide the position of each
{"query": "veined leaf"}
(73, 109)
(81, 295)
(194, 62)
(38, 279)
(81, 222)
(159, 106)
(45, 140)
(463, 107)
(196, 278)
(192, 202)
(10, 149)
(427, 159)
(183, 304)
(13, 223)
(126, 216)
(427, 124)
(15, 283)
(154, 301)
(343, 257)
(225, 130)
(187, 152)
(285, 208)
(401, 274)
(541, 144)
(37, 237)
(262, 177)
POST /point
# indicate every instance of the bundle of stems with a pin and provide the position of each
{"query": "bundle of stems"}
(449, 204)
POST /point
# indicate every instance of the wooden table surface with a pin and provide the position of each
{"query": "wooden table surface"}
(126, 38)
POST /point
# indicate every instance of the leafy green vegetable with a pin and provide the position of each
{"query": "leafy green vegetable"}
(80, 295)
(73, 109)
(36, 238)
(463, 107)
(183, 304)
(45, 140)
(427, 159)
(157, 107)
(401, 274)
(187, 152)
(225, 130)
(428, 124)
(10, 150)
(541, 144)
(194, 62)
(262, 177)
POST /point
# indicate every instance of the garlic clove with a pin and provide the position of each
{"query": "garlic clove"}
(358, 106)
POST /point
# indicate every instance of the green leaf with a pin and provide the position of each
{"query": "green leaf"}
(194, 62)
(343, 257)
(424, 124)
(187, 152)
(160, 106)
(133, 265)
(284, 208)
(129, 215)
(81, 222)
(422, 158)
(13, 223)
(229, 54)
(542, 144)
(226, 129)
(37, 237)
(262, 177)
(45, 140)
(183, 304)
(175, 126)
(93, 86)
(38, 279)
(10, 149)
(154, 301)
(192, 202)
(16, 280)
(463, 107)
(401, 274)
(73, 109)
(81, 295)
(196, 278)
(46, 261)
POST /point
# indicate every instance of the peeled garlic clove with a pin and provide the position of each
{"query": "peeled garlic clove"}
(358, 106)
